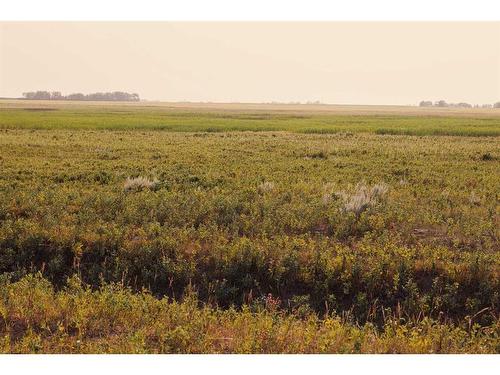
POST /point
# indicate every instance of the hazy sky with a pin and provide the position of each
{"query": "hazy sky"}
(334, 62)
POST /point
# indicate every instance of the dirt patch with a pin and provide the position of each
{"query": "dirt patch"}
(40, 109)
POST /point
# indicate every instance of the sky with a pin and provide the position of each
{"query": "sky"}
(332, 62)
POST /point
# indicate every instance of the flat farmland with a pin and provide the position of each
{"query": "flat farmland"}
(207, 117)
(232, 228)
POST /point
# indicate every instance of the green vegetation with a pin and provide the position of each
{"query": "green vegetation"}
(114, 320)
(127, 117)
(135, 240)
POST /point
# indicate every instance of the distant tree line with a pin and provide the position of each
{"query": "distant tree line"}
(442, 104)
(309, 102)
(115, 96)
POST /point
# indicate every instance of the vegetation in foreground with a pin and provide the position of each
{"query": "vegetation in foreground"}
(35, 319)
(247, 242)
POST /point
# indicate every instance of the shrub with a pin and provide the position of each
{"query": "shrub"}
(487, 157)
(317, 155)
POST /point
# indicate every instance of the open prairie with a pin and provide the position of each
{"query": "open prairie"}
(212, 117)
(244, 228)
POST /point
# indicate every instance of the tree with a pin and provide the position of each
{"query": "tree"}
(97, 96)
(29, 95)
(496, 105)
(76, 96)
(38, 95)
(425, 103)
(56, 95)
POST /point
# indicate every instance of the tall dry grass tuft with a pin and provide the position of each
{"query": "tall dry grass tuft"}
(474, 199)
(362, 198)
(139, 183)
(328, 193)
(265, 187)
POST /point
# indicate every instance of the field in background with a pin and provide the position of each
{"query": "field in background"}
(325, 233)
(249, 117)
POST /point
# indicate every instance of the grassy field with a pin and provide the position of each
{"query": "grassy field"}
(233, 117)
(318, 229)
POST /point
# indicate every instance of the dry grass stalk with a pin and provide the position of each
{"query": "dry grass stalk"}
(362, 198)
(139, 183)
